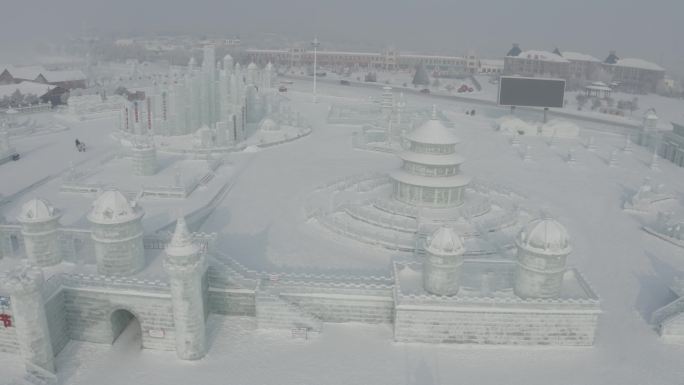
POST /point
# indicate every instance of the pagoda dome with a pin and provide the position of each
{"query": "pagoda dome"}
(37, 210)
(112, 207)
(545, 236)
(433, 132)
(444, 241)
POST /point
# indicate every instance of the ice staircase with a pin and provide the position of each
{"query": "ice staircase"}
(36, 375)
(273, 312)
(661, 315)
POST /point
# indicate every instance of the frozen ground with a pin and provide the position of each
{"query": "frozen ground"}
(261, 223)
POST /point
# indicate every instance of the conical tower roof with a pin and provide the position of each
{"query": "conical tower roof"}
(182, 243)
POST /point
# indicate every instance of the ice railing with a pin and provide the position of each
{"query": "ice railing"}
(329, 277)
(672, 308)
(161, 241)
(427, 299)
(29, 109)
(151, 284)
(304, 131)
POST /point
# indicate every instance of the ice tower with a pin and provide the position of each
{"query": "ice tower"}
(117, 234)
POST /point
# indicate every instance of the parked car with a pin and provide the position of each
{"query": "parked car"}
(282, 89)
(345, 82)
(425, 91)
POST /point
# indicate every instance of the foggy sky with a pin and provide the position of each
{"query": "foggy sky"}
(651, 29)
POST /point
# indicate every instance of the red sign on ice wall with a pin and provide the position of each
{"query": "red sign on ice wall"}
(6, 320)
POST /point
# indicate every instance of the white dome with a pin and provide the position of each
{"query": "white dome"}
(545, 236)
(269, 124)
(445, 241)
(37, 210)
(227, 58)
(433, 132)
(252, 66)
(112, 207)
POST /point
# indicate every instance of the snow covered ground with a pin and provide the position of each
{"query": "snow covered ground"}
(262, 224)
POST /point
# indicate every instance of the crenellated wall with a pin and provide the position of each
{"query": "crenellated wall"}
(497, 326)
(89, 307)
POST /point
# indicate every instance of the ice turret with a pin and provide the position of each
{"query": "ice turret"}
(443, 260)
(117, 234)
(543, 248)
(185, 266)
(40, 229)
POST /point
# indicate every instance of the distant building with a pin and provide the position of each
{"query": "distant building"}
(672, 147)
(537, 64)
(582, 67)
(37, 74)
(632, 74)
(388, 59)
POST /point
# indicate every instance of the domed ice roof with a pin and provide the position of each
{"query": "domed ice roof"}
(445, 241)
(113, 207)
(37, 210)
(545, 236)
(432, 132)
(269, 124)
(432, 159)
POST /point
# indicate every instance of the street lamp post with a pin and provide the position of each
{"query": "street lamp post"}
(315, 44)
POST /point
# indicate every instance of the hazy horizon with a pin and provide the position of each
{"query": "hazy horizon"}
(648, 30)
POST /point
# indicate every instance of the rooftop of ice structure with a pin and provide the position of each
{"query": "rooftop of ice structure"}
(445, 241)
(113, 207)
(433, 132)
(37, 210)
(545, 235)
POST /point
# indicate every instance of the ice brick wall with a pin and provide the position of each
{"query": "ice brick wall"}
(273, 312)
(89, 315)
(56, 317)
(8, 336)
(232, 302)
(513, 327)
(228, 292)
(367, 306)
